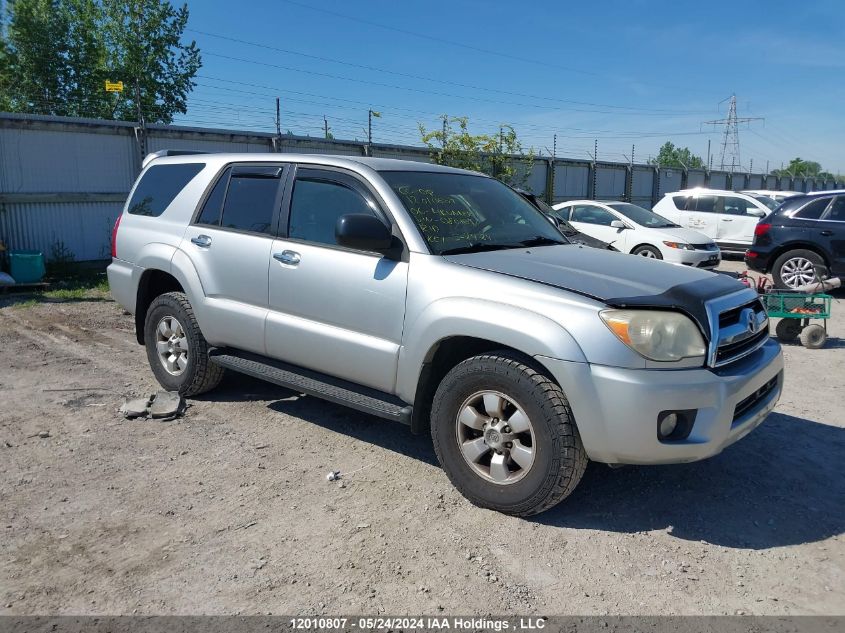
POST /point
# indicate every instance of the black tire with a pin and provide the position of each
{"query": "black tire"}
(559, 458)
(813, 336)
(797, 254)
(788, 330)
(200, 374)
(647, 251)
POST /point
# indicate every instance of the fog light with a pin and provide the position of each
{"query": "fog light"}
(675, 425)
(667, 425)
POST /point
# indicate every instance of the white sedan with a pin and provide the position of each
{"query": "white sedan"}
(632, 229)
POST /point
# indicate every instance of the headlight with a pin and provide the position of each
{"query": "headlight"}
(682, 245)
(655, 334)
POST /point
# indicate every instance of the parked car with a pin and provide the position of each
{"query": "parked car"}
(570, 232)
(777, 196)
(728, 217)
(440, 298)
(632, 229)
(804, 233)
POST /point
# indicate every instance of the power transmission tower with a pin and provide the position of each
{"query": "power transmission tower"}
(730, 157)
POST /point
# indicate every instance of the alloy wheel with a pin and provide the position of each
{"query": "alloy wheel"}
(172, 345)
(495, 437)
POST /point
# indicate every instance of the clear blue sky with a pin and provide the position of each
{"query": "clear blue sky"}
(625, 72)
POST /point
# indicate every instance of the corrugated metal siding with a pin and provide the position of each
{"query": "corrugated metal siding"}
(157, 143)
(611, 182)
(80, 229)
(696, 178)
(571, 182)
(718, 180)
(42, 161)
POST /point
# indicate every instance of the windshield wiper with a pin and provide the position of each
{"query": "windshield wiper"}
(478, 247)
(540, 240)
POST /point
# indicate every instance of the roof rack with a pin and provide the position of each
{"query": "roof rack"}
(169, 152)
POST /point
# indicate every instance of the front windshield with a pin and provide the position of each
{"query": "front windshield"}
(458, 213)
(641, 216)
(769, 202)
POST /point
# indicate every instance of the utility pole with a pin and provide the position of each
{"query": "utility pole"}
(443, 142)
(325, 127)
(767, 168)
(709, 157)
(730, 138)
(278, 125)
(141, 130)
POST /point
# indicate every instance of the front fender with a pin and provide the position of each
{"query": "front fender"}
(529, 332)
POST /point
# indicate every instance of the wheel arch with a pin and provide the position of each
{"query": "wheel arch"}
(797, 246)
(153, 283)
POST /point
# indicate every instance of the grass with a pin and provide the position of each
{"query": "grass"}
(81, 283)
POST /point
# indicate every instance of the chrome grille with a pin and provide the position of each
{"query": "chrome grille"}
(737, 330)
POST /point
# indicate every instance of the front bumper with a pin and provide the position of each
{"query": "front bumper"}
(696, 258)
(616, 409)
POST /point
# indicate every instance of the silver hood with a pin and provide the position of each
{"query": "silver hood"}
(617, 279)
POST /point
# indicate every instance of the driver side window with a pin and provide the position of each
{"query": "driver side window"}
(317, 202)
(589, 214)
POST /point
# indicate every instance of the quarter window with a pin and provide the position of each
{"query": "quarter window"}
(317, 203)
(837, 210)
(251, 199)
(160, 185)
(213, 205)
(813, 210)
(592, 215)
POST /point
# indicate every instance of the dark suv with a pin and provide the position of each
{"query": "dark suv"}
(803, 233)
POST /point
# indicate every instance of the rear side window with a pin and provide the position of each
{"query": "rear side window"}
(159, 185)
(705, 204)
(814, 210)
(251, 199)
(680, 202)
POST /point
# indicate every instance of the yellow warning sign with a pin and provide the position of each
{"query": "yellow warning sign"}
(114, 86)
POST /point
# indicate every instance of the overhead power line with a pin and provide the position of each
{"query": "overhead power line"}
(442, 81)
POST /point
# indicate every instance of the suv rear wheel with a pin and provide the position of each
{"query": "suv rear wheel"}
(505, 435)
(176, 348)
(796, 268)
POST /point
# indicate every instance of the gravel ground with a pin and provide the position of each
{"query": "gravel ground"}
(228, 510)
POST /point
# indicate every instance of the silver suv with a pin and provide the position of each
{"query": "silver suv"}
(442, 299)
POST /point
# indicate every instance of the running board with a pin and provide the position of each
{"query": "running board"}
(314, 383)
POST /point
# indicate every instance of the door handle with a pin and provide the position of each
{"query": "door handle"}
(827, 233)
(201, 240)
(727, 219)
(291, 258)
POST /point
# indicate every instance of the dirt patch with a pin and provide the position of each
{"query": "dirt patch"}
(228, 510)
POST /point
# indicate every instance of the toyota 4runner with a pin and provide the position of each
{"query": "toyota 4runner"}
(442, 299)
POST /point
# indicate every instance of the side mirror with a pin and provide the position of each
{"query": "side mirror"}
(363, 232)
(618, 224)
(757, 213)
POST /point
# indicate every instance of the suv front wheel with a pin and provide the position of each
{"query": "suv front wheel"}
(505, 435)
(176, 348)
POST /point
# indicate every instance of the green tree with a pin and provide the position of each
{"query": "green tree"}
(488, 153)
(801, 168)
(61, 52)
(671, 156)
